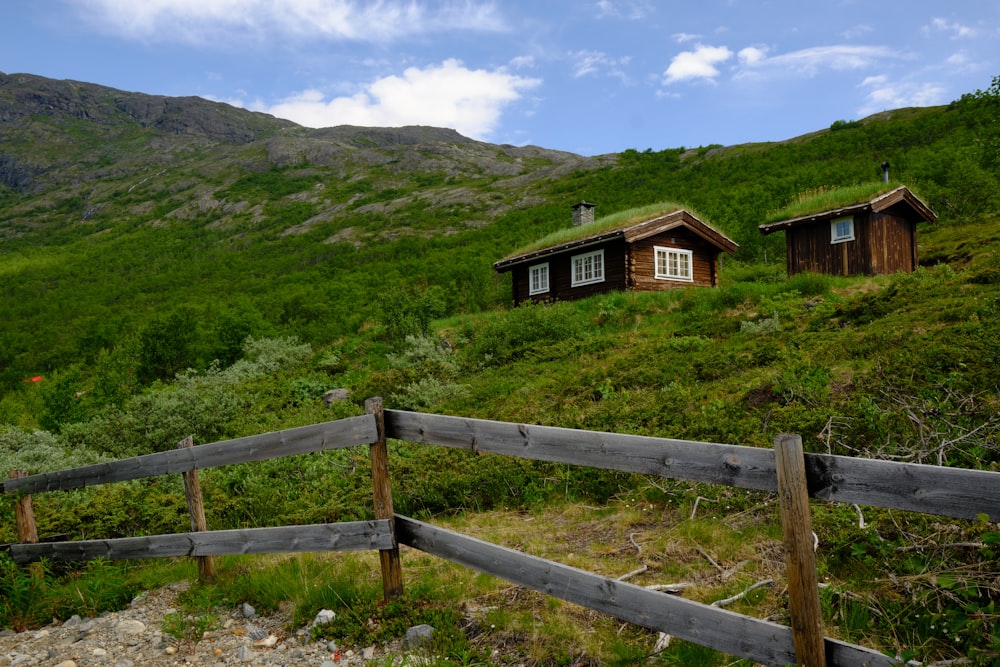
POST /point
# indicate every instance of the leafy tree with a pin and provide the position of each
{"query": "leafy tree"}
(64, 399)
(167, 345)
(408, 312)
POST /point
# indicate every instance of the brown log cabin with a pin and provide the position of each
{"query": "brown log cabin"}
(666, 249)
(873, 237)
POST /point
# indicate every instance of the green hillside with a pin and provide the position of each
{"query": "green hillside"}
(185, 268)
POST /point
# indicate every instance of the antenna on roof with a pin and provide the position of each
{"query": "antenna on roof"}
(885, 172)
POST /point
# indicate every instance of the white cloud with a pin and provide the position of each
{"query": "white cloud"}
(523, 62)
(697, 64)
(632, 10)
(445, 95)
(959, 59)
(208, 21)
(596, 62)
(956, 30)
(751, 55)
(684, 37)
(857, 31)
(808, 62)
(884, 94)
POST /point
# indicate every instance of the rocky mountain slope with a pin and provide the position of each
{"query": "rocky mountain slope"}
(68, 140)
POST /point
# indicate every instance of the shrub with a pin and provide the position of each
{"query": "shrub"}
(512, 335)
(40, 451)
(808, 283)
(427, 392)
(427, 355)
(761, 327)
(22, 603)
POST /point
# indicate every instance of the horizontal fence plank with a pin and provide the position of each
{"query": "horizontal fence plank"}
(745, 467)
(303, 440)
(347, 536)
(954, 492)
(720, 629)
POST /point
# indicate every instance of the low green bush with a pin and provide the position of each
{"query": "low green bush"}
(514, 334)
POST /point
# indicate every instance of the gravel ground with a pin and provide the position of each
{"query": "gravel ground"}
(134, 637)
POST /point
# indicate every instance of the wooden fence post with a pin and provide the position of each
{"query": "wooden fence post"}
(392, 571)
(196, 508)
(24, 518)
(800, 557)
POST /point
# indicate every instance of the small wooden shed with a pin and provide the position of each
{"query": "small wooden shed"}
(668, 248)
(873, 237)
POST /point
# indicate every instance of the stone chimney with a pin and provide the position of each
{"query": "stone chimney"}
(583, 213)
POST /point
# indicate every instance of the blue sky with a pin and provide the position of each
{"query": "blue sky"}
(585, 76)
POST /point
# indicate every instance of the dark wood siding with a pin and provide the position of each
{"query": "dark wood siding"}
(893, 244)
(642, 269)
(883, 243)
(561, 274)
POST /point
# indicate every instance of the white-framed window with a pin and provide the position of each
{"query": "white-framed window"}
(842, 229)
(588, 268)
(673, 264)
(538, 278)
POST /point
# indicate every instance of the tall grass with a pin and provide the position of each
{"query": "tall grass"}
(822, 199)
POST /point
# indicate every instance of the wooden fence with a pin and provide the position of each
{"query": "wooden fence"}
(786, 470)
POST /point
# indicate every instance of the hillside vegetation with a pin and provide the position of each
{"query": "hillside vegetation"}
(175, 267)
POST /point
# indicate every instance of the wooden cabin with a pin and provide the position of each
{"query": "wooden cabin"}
(668, 249)
(867, 238)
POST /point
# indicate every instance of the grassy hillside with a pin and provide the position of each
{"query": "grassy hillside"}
(299, 262)
(305, 232)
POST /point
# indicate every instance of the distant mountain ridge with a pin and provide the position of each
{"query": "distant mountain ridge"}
(78, 148)
(57, 134)
(25, 95)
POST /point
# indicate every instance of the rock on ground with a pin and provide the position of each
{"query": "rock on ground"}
(135, 637)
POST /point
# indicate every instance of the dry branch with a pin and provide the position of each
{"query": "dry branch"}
(742, 594)
(694, 510)
(629, 575)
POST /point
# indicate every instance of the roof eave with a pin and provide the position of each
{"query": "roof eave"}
(814, 217)
(878, 204)
(510, 262)
(638, 231)
(681, 218)
(902, 194)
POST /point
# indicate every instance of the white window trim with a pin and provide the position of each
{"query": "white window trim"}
(668, 276)
(833, 229)
(598, 277)
(542, 289)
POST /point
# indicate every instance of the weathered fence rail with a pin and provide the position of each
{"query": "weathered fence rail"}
(953, 492)
(723, 630)
(345, 536)
(928, 489)
(303, 440)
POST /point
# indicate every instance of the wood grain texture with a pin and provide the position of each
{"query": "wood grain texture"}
(954, 492)
(314, 438)
(196, 509)
(800, 559)
(24, 513)
(392, 569)
(347, 536)
(745, 467)
(723, 630)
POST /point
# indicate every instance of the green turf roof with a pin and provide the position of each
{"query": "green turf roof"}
(821, 200)
(609, 223)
